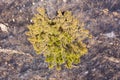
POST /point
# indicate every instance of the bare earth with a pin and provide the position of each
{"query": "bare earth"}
(18, 60)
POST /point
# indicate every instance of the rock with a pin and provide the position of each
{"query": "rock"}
(3, 27)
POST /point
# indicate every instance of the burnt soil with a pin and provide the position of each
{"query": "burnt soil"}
(18, 60)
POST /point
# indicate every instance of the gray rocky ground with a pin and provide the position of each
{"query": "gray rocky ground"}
(18, 60)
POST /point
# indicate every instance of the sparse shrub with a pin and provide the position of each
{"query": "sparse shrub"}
(59, 39)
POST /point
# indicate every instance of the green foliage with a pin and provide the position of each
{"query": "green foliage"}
(59, 39)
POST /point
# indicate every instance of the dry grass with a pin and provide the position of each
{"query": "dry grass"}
(9, 51)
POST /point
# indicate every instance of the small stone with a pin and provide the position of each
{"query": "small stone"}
(23, 5)
(6, 63)
(86, 72)
(31, 20)
(110, 35)
(111, 43)
(65, 1)
(13, 20)
(3, 27)
(33, 3)
(20, 10)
